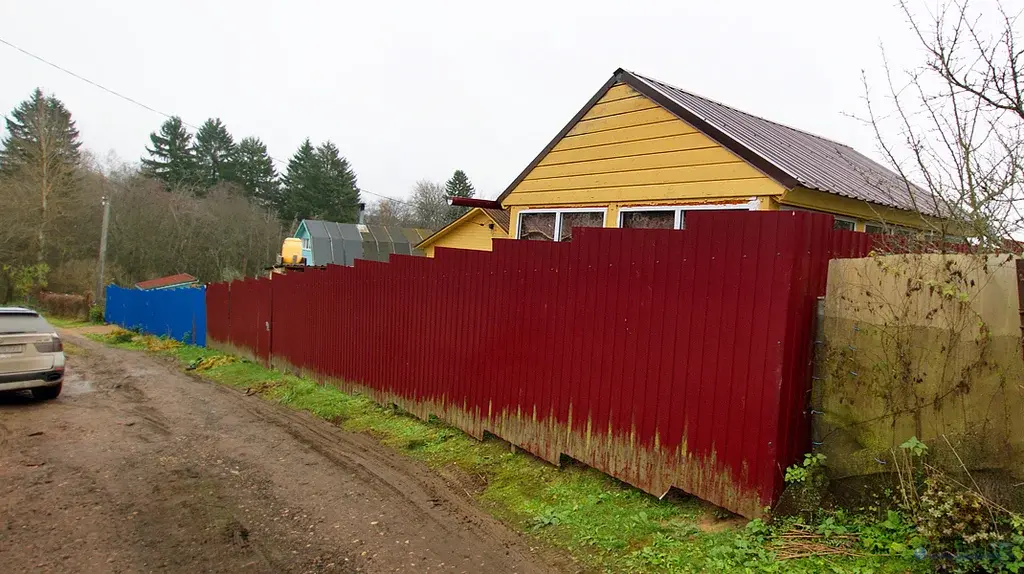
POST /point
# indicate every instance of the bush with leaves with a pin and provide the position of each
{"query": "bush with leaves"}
(959, 529)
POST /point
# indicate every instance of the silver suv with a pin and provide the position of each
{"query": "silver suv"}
(31, 354)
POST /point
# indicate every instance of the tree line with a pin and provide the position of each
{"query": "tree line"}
(428, 206)
(205, 223)
(318, 182)
(195, 203)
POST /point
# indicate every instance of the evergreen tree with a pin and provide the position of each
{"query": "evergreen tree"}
(255, 171)
(319, 184)
(216, 154)
(458, 186)
(42, 152)
(339, 185)
(171, 160)
(298, 198)
(39, 130)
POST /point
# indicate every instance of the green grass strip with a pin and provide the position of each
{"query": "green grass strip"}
(603, 523)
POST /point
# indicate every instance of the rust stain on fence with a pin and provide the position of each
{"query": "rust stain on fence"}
(663, 358)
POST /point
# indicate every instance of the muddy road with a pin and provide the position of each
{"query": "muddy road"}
(138, 467)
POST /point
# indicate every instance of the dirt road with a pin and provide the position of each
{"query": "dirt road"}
(140, 468)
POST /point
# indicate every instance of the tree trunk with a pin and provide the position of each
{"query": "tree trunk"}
(44, 153)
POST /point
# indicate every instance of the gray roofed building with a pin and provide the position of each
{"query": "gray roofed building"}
(328, 242)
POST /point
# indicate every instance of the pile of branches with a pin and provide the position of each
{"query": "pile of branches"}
(802, 542)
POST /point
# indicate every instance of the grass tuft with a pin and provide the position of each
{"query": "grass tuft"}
(602, 522)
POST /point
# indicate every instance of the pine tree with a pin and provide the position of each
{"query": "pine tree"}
(216, 154)
(458, 186)
(299, 185)
(255, 171)
(37, 126)
(172, 159)
(42, 152)
(339, 185)
(319, 184)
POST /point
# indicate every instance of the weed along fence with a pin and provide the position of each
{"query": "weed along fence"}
(663, 358)
(176, 313)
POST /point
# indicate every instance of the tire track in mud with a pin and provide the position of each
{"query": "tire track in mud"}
(269, 464)
(424, 490)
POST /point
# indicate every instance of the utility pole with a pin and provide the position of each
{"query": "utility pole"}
(100, 296)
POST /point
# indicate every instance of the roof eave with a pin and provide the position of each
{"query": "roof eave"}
(446, 229)
(922, 212)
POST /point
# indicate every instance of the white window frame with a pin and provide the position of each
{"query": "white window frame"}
(558, 218)
(848, 220)
(680, 220)
(305, 242)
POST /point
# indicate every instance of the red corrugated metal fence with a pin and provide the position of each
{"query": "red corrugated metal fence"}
(664, 358)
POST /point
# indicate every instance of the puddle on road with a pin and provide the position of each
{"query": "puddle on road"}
(76, 384)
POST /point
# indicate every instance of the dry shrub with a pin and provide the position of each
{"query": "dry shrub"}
(64, 305)
(160, 343)
(79, 276)
(120, 335)
(208, 363)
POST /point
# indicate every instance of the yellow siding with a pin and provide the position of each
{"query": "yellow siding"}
(472, 231)
(629, 150)
(854, 208)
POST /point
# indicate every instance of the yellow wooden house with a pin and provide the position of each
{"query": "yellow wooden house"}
(641, 153)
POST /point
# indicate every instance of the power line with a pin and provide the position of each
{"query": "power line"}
(90, 82)
(144, 106)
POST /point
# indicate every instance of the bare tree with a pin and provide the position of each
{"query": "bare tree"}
(390, 212)
(430, 205)
(16, 232)
(954, 125)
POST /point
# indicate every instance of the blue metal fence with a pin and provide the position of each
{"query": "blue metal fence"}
(176, 313)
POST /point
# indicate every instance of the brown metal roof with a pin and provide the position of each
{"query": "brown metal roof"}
(792, 157)
(500, 217)
(170, 280)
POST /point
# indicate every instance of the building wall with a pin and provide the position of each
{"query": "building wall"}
(302, 234)
(473, 231)
(629, 151)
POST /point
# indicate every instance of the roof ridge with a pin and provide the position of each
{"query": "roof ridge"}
(659, 83)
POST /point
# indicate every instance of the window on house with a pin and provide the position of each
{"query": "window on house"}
(845, 224)
(873, 228)
(653, 219)
(305, 243)
(557, 225)
(573, 219)
(669, 217)
(537, 226)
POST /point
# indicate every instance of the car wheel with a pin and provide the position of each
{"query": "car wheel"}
(47, 393)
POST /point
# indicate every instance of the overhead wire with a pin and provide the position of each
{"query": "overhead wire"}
(150, 108)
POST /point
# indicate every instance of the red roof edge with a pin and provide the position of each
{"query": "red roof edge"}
(179, 279)
(474, 202)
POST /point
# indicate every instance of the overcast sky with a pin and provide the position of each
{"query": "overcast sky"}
(413, 90)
